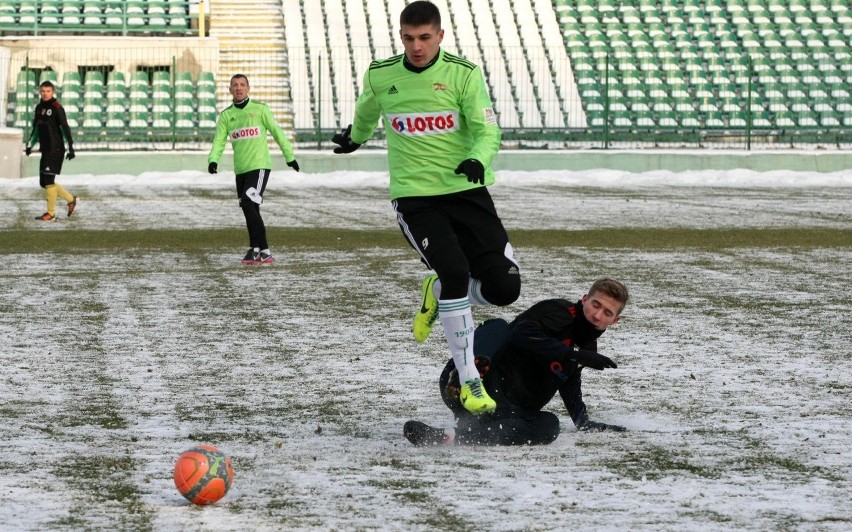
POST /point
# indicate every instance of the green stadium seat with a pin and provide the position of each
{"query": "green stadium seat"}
(185, 122)
(48, 75)
(115, 121)
(761, 119)
(71, 80)
(178, 22)
(139, 120)
(92, 16)
(71, 11)
(27, 10)
(645, 119)
(135, 10)
(184, 79)
(161, 78)
(184, 105)
(161, 104)
(138, 104)
(714, 119)
(93, 120)
(50, 10)
(70, 101)
(207, 120)
(162, 120)
(26, 77)
(7, 14)
(829, 119)
(785, 119)
(114, 13)
(807, 119)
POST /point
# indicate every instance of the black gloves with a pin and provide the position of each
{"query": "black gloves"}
(28, 151)
(70, 155)
(473, 169)
(344, 140)
(294, 165)
(593, 360)
(212, 167)
(594, 426)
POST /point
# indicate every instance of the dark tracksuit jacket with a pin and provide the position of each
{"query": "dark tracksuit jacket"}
(532, 365)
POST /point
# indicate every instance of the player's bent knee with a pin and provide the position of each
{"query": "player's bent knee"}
(503, 289)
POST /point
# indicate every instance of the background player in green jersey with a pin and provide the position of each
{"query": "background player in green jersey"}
(441, 129)
(246, 122)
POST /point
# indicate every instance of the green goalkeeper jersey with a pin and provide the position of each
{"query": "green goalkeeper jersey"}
(247, 127)
(434, 119)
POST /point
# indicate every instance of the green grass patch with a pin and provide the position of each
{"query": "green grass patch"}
(189, 240)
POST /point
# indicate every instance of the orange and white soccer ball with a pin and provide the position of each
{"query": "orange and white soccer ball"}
(204, 474)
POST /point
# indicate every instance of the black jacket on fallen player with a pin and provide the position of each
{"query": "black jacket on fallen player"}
(50, 128)
(536, 361)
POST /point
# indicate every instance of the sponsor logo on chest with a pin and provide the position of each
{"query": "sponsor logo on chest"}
(245, 133)
(420, 124)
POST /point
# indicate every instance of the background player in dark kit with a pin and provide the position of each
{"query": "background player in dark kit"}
(51, 131)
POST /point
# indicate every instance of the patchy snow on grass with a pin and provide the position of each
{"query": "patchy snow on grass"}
(733, 375)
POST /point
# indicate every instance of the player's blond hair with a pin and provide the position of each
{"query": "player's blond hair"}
(612, 288)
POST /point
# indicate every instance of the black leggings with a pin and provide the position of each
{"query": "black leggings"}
(250, 187)
(509, 425)
(460, 236)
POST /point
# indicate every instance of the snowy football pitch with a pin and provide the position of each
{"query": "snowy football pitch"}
(131, 333)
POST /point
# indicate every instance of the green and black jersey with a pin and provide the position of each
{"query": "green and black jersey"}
(50, 128)
(246, 126)
(434, 118)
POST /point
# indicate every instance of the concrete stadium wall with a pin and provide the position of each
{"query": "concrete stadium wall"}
(135, 163)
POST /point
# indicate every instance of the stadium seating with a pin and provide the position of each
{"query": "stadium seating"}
(783, 49)
(641, 65)
(172, 17)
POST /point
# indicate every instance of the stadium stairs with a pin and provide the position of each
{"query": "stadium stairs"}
(251, 36)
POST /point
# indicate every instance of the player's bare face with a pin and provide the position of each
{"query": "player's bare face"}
(421, 43)
(46, 93)
(239, 89)
(601, 310)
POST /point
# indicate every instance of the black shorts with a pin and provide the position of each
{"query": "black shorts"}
(49, 167)
(251, 184)
(466, 219)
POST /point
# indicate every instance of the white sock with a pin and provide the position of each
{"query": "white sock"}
(474, 291)
(266, 251)
(457, 321)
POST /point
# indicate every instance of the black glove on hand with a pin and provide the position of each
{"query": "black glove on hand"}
(594, 426)
(344, 140)
(593, 360)
(294, 165)
(473, 169)
(212, 167)
(70, 154)
(28, 151)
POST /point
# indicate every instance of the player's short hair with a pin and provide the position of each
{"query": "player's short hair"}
(235, 76)
(420, 13)
(47, 83)
(612, 288)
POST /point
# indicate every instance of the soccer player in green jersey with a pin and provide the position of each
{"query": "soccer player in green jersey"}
(246, 122)
(442, 134)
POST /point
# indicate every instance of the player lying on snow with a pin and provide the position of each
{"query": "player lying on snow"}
(524, 364)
